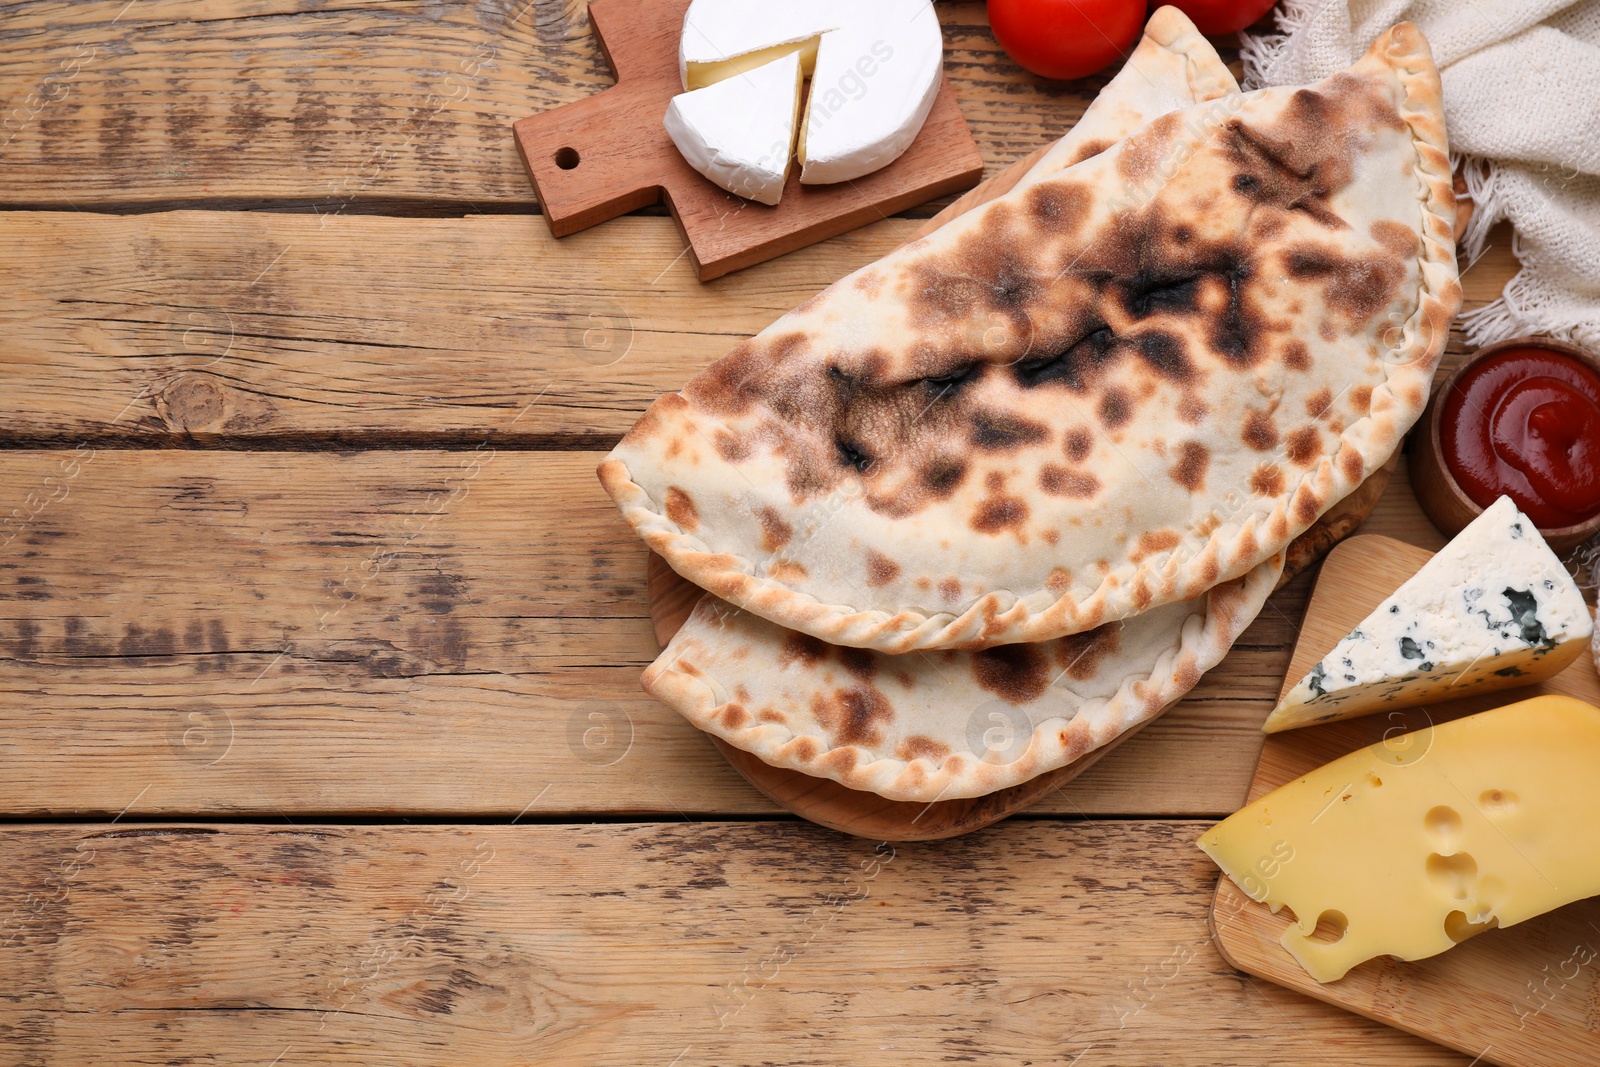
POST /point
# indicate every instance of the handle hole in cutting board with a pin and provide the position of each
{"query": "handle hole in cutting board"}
(567, 158)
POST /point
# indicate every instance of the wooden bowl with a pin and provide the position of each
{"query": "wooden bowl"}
(1442, 499)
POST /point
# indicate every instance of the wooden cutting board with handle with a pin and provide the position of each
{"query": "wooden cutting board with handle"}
(609, 154)
(1527, 996)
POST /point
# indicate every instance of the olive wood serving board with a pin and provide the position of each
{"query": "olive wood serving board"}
(609, 154)
(1520, 997)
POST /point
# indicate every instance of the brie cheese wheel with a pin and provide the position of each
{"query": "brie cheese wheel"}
(718, 132)
(871, 90)
(1494, 609)
(722, 38)
(874, 65)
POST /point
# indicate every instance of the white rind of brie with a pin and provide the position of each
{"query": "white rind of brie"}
(1495, 609)
(875, 67)
(723, 37)
(874, 83)
(714, 129)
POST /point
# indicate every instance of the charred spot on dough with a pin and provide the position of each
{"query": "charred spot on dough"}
(1164, 354)
(1351, 465)
(1268, 226)
(731, 447)
(1144, 152)
(733, 716)
(681, 510)
(1151, 292)
(1060, 580)
(1235, 333)
(860, 662)
(1000, 513)
(1190, 470)
(1307, 505)
(1266, 480)
(1318, 403)
(805, 749)
(1014, 673)
(1076, 365)
(881, 570)
(919, 746)
(787, 570)
(1260, 432)
(1077, 444)
(1300, 160)
(989, 270)
(1397, 237)
(1081, 655)
(1152, 541)
(1059, 481)
(1361, 399)
(1089, 149)
(840, 760)
(853, 455)
(801, 648)
(950, 589)
(994, 431)
(775, 533)
(731, 384)
(994, 481)
(1115, 408)
(943, 476)
(1058, 206)
(853, 716)
(1191, 409)
(1296, 356)
(1357, 287)
(770, 715)
(1303, 445)
(868, 281)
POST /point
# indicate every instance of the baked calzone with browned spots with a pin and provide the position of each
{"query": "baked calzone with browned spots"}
(1112, 389)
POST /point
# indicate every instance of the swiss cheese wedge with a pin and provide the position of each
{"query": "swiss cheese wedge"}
(1415, 844)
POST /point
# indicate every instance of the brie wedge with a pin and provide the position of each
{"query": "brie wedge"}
(714, 129)
(1493, 610)
(875, 67)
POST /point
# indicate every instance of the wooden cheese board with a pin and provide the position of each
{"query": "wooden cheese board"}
(609, 154)
(1526, 996)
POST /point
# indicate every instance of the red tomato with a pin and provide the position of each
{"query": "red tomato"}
(1066, 38)
(1215, 17)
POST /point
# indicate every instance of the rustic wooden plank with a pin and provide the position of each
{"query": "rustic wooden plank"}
(269, 330)
(415, 633)
(338, 106)
(643, 944)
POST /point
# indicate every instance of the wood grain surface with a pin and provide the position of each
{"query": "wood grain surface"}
(644, 944)
(254, 329)
(456, 632)
(371, 104)
(1505, 997)
(298, 606)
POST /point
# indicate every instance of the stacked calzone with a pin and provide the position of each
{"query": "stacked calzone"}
(985, 504)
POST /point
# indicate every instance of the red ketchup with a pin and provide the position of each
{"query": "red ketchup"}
(1526, 423)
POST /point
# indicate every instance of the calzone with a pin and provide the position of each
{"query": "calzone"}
(927, 726)
(1112, 389)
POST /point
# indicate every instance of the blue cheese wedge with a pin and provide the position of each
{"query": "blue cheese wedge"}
(1494, 609)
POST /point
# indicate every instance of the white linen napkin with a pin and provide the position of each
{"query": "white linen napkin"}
(1522, 110)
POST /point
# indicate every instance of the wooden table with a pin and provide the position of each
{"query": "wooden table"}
(322, 737)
